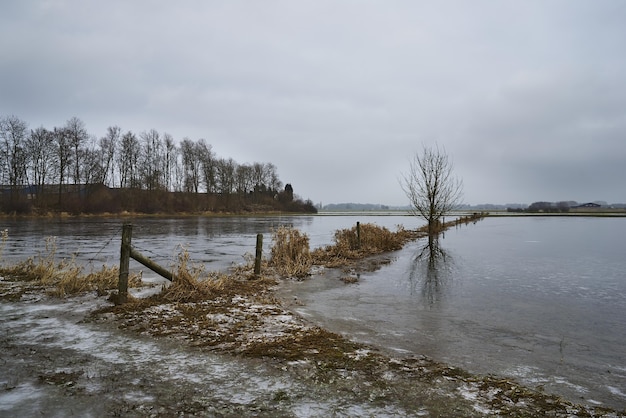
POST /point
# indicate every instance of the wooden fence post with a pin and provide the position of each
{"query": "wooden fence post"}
(358, 235)
(259, 253)
(137, 256)
(122, 286)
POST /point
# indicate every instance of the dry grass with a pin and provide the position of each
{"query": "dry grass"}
(65, 277)
(373, 240)
(290, 253)
(188, 284)
(192, 284)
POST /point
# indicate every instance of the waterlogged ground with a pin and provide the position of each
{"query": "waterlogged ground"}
(238, 355)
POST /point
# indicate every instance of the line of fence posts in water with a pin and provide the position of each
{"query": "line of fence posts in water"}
(127, 252)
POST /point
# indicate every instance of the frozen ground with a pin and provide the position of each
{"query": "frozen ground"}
(55, 364)
(57, 361)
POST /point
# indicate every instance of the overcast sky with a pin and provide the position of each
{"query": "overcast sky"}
(527, 97)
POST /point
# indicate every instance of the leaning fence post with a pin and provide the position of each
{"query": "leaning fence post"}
(122, 285)
(259, 253)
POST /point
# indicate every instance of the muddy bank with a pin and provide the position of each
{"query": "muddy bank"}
(241, 354)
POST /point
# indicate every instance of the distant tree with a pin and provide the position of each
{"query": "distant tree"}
(259, 176)
(108, 148)
(63, 157)
(540, 207)
(152, 160)
(170, 159)
(243, 175)
(431, 187)
(274, 184)
(93, 170)
(13, 136)
(191, 165)
(226, 169)
(76, 135)
(40, 147)
(563, 206)
(207, 162)
(128, 159)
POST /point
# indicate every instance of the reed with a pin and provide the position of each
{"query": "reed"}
(290, 254)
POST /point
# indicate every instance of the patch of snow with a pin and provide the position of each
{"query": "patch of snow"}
(472, 394)
(359, 354)
(24, 393)
(616, 391)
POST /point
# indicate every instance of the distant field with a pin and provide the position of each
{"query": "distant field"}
(572, 212)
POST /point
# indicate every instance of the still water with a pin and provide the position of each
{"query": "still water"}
(542, 300)
(217, 242)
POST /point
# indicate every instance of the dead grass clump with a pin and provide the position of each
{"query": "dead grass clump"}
(66, 277)
(290, 254)
(188, 285)
(353, 244)
(192, 284)
(72, 281)
(41, 269)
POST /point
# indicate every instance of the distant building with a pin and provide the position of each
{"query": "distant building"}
(587, 205)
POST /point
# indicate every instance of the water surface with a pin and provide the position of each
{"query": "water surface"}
(539, 299)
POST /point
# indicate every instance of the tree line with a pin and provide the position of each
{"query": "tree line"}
(67, 169)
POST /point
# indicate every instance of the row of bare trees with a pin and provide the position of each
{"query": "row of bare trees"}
(41, 162)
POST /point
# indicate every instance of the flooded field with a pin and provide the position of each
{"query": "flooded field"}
(539, 300)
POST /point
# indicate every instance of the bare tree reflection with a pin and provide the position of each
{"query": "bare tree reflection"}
(430, 271)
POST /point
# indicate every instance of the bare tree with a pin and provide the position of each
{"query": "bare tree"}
(208, 161)
(226, 169)
(431, 187)
(76, 135)
(152, 160)
(93, 168)
(128, 159)
(244, 182)
(13, 164)
(108, 148)
(191, 165)
(274, 182)
(170, 159)
(40, 147)
(63, 156)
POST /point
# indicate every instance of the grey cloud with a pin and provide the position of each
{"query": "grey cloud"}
(338, 94)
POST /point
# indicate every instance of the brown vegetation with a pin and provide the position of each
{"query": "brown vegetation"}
(290, 255)
(60, 170)
(361, 241)
(62, 278)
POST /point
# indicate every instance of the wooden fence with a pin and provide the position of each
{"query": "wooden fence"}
(127, 252)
